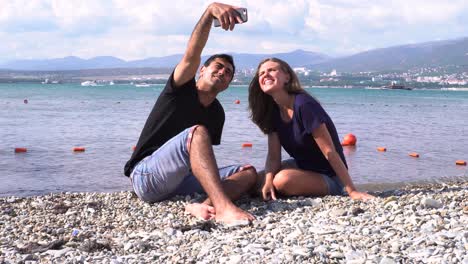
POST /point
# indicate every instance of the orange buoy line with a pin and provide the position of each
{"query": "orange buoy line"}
(249, 145)
(21, 150)
(79, 149)
(237, 101)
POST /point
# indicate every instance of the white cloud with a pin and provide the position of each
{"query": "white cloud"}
(281, 16)
(135, 29)
(160, 17)
(352, 26)
(25, 16)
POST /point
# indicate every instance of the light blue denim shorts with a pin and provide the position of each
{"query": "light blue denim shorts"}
(167, 172)
(334, 184)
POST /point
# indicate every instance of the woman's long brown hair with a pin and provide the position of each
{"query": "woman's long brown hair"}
(261, 105)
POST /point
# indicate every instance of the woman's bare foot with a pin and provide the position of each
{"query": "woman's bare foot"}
(201, 210)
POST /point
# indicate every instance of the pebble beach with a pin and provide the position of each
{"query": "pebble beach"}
(417, 224)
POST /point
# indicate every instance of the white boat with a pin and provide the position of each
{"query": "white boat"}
(374, 88)
(142, 85)
(48, 81)
(89, 83)
(111, 83)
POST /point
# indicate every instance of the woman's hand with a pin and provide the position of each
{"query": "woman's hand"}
(268, 191)
(355, 195)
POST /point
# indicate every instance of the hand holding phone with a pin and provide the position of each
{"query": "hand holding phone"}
(242, 13)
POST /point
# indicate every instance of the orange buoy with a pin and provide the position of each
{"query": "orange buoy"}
(349, 140)
(414, 155)
(133, 148)
(461, 162)
(21, 150)
(79, 149)
(383, 149)
(237, 101)
(246, 145)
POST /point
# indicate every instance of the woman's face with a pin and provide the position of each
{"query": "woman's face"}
(271, 77)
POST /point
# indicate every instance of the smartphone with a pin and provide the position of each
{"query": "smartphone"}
(242, 12)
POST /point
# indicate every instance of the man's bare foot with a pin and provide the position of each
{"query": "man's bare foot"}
(234, 216)
(201, 210)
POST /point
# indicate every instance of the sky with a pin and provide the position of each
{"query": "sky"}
(138, 29)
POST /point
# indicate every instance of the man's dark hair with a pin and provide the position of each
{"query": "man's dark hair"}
(225, 57)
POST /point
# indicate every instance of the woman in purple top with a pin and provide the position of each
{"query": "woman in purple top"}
(294, 120)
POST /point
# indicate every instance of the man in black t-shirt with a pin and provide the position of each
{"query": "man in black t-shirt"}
(174, 154)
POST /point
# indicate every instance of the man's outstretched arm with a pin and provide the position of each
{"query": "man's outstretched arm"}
(188, 66)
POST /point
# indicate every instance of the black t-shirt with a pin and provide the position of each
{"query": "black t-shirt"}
(176, 109)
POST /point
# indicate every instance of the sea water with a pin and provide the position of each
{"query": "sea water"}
(107, 121)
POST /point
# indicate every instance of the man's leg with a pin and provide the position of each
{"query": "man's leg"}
(238, 183)
(205, 169)
(157, 176)
(234, 185)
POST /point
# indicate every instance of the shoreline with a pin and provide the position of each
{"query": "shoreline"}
(160, 79)
(371, 187)
(414, 223)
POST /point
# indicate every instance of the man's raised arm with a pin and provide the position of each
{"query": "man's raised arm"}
(188, 66)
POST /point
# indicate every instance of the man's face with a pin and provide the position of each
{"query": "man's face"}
(217, 75)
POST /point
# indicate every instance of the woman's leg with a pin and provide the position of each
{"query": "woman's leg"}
(293, 181)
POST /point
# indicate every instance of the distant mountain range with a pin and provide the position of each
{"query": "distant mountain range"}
(437, 53)
(242, 61)
(428, 54)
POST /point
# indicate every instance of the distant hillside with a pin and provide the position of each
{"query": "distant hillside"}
(437, 53)
(297, 58)
(243, 60)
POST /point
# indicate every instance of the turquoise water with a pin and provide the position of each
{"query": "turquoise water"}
(107, 121)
